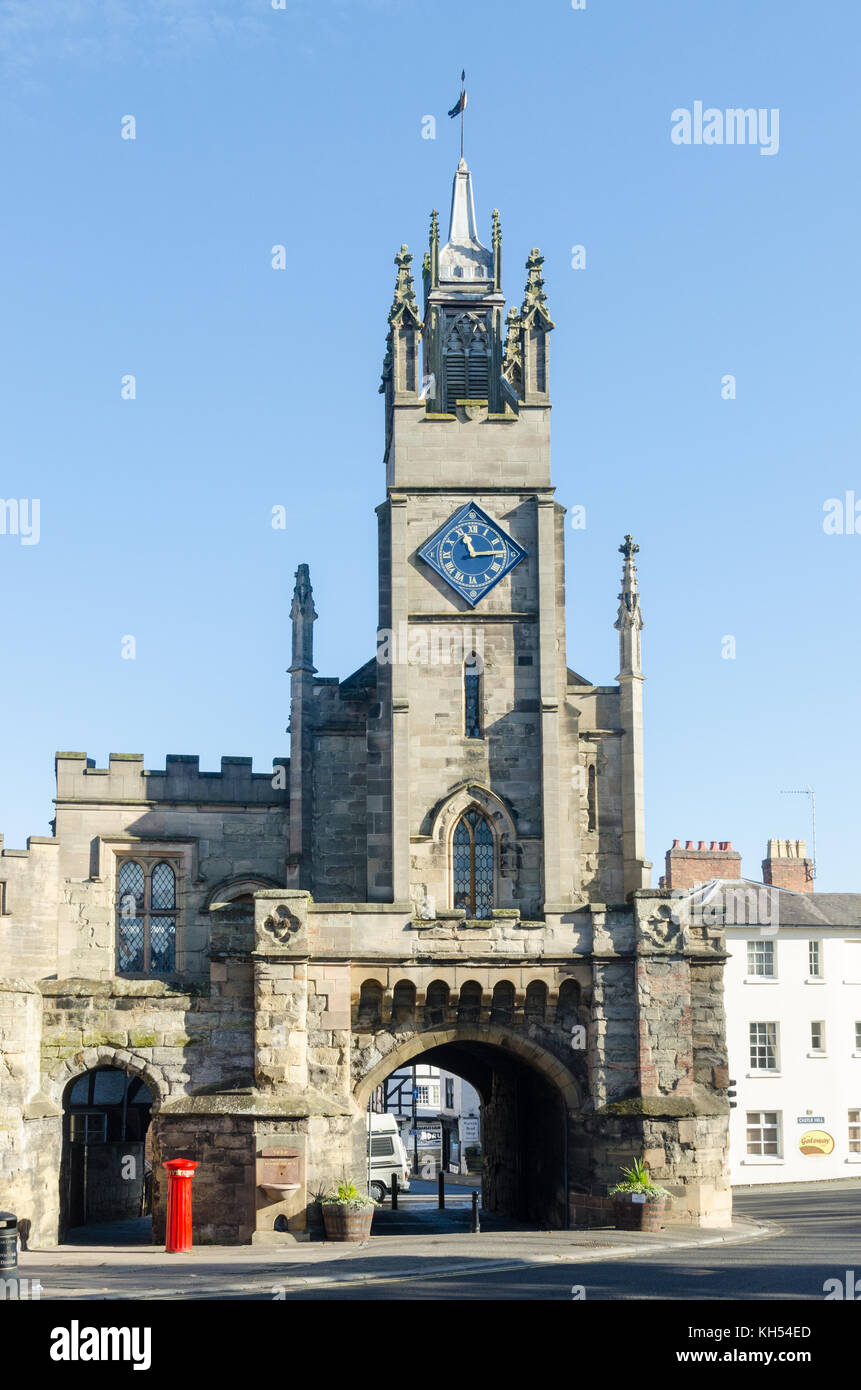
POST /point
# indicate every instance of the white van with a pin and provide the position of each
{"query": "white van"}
(386, 1155)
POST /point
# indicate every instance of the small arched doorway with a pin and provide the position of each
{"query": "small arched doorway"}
(104, 1174)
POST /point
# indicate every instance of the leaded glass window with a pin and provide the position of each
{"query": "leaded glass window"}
(472, 864)
(472, 697)
(146, 918)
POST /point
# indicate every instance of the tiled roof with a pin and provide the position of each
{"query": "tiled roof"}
(780, 905)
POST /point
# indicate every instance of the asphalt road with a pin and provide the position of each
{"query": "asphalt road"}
(817, 1236)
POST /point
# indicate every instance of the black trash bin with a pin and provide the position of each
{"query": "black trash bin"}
(9, 1255)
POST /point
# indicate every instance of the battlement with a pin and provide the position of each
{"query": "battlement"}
(125, 780)
(32, 840)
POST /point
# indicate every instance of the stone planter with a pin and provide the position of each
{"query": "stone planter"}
(344, 1223)
(638, 1216)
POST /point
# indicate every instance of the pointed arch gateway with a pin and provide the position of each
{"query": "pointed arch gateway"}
(527, 1099)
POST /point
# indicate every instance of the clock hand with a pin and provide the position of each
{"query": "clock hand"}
(477, 554)
(468, 543)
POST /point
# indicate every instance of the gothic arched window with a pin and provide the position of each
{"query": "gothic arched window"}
(472, 865)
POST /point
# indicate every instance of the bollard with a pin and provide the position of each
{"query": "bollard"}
(475, 1225)
(441, 1185)
(394, 1191)
(180, 1172)
(9, 1254)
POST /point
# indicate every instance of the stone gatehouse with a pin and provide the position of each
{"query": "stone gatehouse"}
(449, 863)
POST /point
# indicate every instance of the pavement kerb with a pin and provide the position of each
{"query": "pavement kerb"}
(302, 1282)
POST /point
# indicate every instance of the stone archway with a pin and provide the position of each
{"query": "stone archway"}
(527, 1099)
(54, 1083)
(105, 1161)
(491, 1034)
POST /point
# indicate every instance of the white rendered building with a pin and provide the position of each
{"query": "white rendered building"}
(792, 996)
(793, 1006)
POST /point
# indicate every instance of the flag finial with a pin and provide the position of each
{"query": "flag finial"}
(460, 106)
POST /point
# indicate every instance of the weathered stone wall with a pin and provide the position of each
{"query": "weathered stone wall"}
(340, 820)
(30, 1125)
(60, 895)
(223, 1206)
(29, 898)
(184, 1037)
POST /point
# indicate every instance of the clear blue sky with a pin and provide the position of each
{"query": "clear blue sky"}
(257, 387)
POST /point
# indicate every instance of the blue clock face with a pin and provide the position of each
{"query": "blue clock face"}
(471, 553)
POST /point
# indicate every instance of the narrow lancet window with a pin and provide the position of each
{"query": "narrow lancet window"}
(472, 697)
(592, 798)
(472, 865)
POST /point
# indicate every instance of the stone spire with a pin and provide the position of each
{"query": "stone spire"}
(404, 307)
(464, 257)
(629, 620)
(534, 306)
(534, 324)
(462, 228)
(430, 265)
(512, 355)
(304, 615)
(628, 624)
(497, 250)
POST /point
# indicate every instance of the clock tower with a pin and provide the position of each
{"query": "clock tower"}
(503, 782)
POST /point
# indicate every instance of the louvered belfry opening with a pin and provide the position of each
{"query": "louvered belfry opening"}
(466, 361)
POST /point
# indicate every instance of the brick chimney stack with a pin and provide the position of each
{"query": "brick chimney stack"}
(690, 864)
(786, 866)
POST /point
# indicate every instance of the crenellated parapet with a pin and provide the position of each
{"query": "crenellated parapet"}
(125, 780)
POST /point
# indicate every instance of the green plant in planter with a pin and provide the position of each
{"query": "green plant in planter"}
(347, 1195)
(638, 1179)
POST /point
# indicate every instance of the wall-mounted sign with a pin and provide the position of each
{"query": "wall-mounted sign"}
(469, 1129)
(815, 1143)
(430, 1136)
(810, 1119)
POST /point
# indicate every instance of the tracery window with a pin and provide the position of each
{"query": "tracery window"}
(146, 917)
(473, 864)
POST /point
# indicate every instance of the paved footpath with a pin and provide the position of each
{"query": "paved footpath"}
(136, 1271)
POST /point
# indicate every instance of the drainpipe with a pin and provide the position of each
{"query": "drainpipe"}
(566, 1220)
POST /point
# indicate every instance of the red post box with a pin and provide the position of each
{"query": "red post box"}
(180, 1172)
